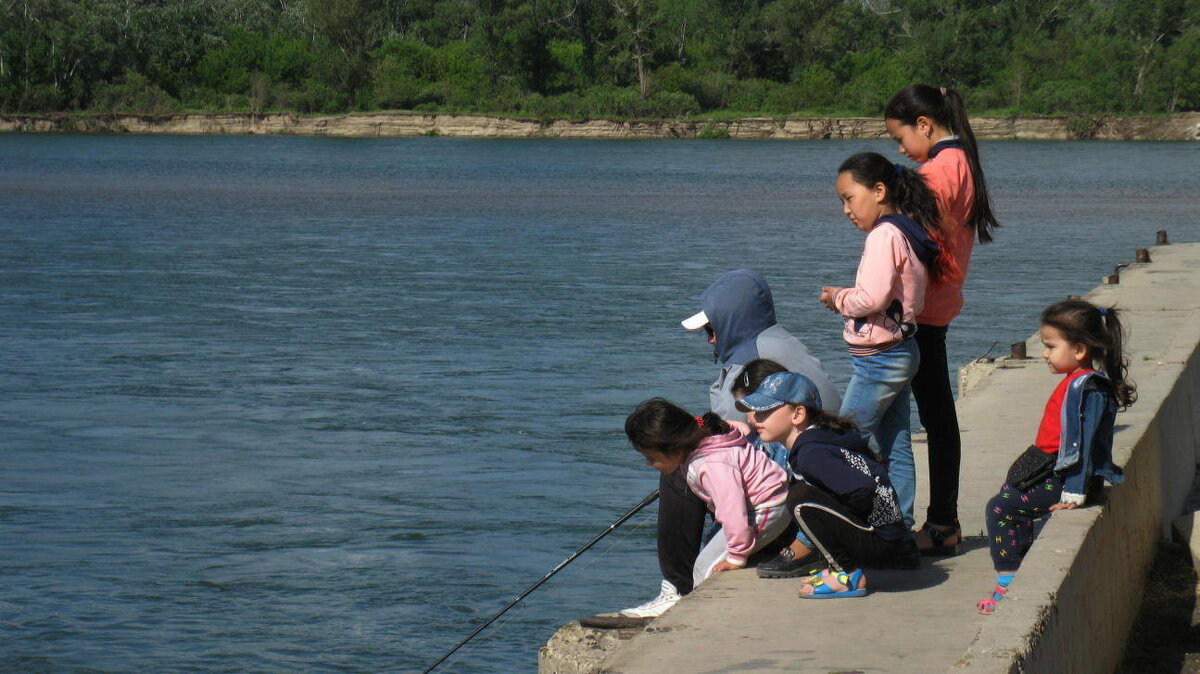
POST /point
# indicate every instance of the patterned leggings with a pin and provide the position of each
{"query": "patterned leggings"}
(1014, 519)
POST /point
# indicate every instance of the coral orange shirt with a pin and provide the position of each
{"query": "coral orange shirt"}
(949, 176)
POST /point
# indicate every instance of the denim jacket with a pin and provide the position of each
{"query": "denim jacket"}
(1085, 448)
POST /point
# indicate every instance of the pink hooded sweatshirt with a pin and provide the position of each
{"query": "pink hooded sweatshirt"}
(949, 176)
(735, 480)
(888, 294)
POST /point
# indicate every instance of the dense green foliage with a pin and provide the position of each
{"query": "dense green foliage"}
(545, 58)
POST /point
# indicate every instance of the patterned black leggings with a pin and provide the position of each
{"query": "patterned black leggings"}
(1014, 519)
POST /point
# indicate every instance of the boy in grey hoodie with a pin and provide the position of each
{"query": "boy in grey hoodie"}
(738, 312)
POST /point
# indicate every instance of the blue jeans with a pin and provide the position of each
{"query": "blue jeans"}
(877, 400)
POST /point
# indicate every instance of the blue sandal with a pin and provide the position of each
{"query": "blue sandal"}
(821, 590)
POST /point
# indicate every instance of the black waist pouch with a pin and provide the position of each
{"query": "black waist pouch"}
(1030, 468)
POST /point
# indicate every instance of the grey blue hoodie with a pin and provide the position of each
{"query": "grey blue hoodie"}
(741, 311)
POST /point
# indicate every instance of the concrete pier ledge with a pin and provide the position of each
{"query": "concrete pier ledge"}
(1073, 602)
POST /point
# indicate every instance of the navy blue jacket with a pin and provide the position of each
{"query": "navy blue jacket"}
(842, 466)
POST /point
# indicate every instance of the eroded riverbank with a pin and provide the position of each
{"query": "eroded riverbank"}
(1182, 126)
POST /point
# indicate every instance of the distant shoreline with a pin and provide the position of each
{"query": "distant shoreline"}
(1181, 126)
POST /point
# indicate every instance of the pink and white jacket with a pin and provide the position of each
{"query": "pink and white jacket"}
(948, 174)
(735, 480)
(888, 294)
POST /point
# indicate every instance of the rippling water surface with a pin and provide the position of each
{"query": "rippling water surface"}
(279, 404)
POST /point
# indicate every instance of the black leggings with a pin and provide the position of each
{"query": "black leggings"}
(1014, 519)
(935, 406)
(680, 530)
(843, 539)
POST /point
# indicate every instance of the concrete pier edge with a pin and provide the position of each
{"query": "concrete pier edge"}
(1096, 564)
(1078, 592)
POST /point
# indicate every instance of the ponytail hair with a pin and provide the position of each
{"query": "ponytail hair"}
(1099, 329)
(945, 106)
(829, 421)
(840, 425)
(660, 425)
(909, 194)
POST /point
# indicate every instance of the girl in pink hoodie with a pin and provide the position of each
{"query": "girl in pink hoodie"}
(901, 257)
(743, 487)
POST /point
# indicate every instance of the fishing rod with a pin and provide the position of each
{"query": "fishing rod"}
(633, 511)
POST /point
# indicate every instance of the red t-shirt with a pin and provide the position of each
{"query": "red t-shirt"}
(1049, 434)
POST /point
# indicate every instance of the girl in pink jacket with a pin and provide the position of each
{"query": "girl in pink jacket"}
(901, 257)
(743, 487)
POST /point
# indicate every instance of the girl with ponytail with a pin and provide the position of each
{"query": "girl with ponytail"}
(901, 256)
(746, 490)
(931, 127)
(1072, 452)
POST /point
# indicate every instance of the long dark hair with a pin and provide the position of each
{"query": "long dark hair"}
(840, 425)
(1081, 322)
(908, 194)
(660, 425)
(830, 422)
(945, 106)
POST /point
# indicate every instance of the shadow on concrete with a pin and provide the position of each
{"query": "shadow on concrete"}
(971, 543)
(884, 581)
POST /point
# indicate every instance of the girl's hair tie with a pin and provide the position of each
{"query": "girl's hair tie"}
(699, 422)
(898, 170)
(1103, 311)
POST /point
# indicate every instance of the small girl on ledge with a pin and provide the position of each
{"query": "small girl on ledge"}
(1073, 449)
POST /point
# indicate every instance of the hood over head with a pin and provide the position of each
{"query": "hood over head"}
(738, 306)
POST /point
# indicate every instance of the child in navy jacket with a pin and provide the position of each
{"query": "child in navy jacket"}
(845, 504)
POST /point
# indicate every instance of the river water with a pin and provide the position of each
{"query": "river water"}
(279, 404)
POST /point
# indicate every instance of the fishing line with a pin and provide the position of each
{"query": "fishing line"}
(985, 353)
(623, 536)
(650, 498)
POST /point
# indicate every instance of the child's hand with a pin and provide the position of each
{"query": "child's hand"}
(827, 295)
(726, 565)
(1063, 506)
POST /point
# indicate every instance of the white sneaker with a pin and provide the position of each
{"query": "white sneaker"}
(666, 598)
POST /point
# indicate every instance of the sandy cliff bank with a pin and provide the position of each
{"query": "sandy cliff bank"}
(1183, 126)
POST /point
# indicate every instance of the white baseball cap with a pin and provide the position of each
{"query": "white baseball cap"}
(695, 322)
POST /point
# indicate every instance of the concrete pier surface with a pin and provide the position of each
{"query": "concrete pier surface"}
(1072, 603)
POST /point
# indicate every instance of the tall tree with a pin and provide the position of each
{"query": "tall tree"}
(637, 19)
(354, 27)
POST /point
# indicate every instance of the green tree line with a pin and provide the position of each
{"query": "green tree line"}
(579, 58)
